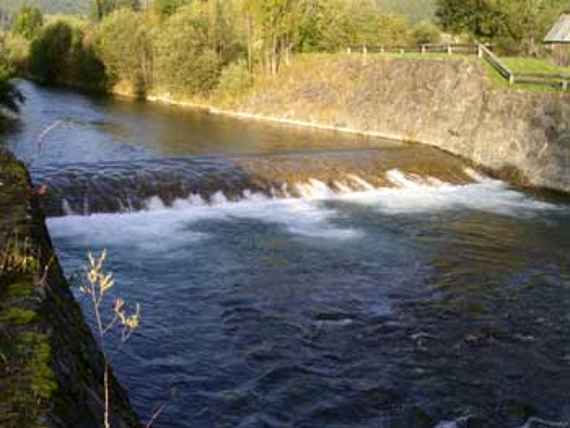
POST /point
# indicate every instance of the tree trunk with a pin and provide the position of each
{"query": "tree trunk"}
(249, 44)
(274, 55)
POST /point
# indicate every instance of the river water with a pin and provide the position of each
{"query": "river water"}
(291, 277)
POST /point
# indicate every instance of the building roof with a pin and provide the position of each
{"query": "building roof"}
(560, 32)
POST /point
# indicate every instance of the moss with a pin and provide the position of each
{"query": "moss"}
(42, 379)
(17, 316)
(15, 171)
(32, 383)
(19, 289)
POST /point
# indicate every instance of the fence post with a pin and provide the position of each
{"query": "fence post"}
(565, 85)
(402, 52)
(449, 51)
(365, 53)
(382, 49)
(511, 79)
(348, 50)
(423, 49)
(479, 51)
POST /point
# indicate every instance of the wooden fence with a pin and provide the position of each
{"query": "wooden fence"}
(559, 81)
(422, 49)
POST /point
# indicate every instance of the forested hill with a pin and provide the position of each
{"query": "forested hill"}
(416, 10)
(49, 6)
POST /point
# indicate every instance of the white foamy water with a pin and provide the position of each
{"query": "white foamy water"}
(424, 195)
(162, 228)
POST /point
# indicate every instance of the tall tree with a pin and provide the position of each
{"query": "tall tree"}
(516, 23)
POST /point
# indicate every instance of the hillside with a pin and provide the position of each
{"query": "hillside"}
(49, 6)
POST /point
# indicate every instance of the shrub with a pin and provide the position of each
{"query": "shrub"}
(425, 32)
(234, 80)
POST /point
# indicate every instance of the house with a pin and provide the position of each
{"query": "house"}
(558, 40)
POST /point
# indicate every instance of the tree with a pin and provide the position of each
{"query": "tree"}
(49, 52)
(28, 22)
(185, 59)
(515, 25)
(480, 18)
(102, 8)
(123, 43)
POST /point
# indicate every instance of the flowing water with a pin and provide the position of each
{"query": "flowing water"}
(291, 277)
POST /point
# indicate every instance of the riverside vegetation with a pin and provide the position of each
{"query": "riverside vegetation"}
(216, 51)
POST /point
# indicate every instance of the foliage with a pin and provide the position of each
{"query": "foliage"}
(235, 80)
(123, 43)
(425, 32)
(49, 52)
(165, 8)
(10, 97)
(15, 51)
(516, 26)
(183, 45)
(185, 59)
(103, 8)
(28, 22)
(62, 53)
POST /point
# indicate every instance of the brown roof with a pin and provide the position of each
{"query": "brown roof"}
(560, 33)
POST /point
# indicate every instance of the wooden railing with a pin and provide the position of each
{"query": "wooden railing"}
(422, 49)
(560, 81)
(495, 62)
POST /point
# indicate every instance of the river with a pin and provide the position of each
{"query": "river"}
(294, 277)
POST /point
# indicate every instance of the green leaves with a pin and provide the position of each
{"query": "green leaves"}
(518, 26)
(28, 22)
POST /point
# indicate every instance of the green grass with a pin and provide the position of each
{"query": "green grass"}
(533, 65)
(516, 64)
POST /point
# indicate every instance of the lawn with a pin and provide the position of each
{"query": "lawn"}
(533, 65)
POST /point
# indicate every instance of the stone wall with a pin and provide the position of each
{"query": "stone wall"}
(51, 369)
(450, 104)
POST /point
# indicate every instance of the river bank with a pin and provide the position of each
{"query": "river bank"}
(51, 371)
(450, 104)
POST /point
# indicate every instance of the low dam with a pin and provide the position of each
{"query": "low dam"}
(294, 277)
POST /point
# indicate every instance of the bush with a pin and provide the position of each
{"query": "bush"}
(183, 58)
(234, 80)
(425, 32)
